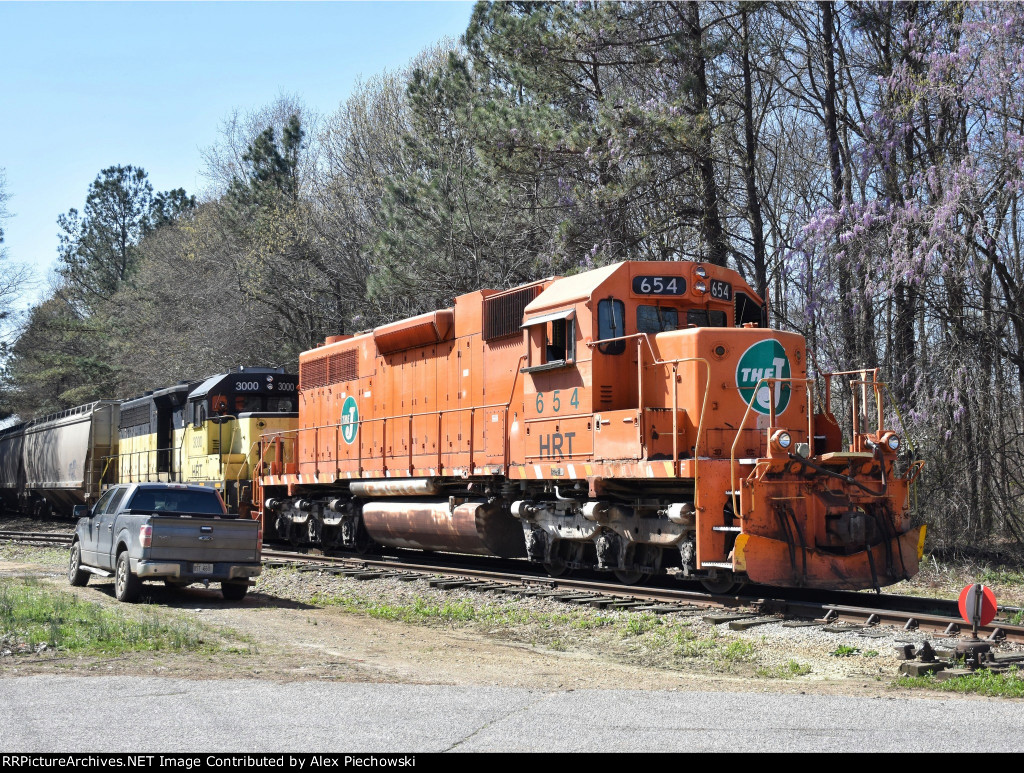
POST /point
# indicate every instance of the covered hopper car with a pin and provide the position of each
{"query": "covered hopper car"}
(638, 418)
(53, 463)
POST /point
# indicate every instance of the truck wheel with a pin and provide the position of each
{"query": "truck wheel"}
(126, 584)
(234, 591)
(76, 575)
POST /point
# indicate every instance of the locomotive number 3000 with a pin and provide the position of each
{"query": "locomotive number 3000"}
(556, 400)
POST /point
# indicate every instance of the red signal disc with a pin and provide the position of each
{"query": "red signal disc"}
(969, 603)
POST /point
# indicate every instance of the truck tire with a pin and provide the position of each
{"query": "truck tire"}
(76, 575)
(234, 591)
(126, 584)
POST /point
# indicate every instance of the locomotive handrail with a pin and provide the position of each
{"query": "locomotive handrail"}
(281, 434)
(675, 412)
(646, 337)
(809, 384)
(863, 383)
(171, 465)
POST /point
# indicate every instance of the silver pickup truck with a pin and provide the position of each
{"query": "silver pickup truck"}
(171, 531)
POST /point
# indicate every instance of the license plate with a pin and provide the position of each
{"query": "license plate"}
(202, 568)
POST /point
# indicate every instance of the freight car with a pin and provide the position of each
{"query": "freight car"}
(202, 432)
(53, 463)
(638, 418)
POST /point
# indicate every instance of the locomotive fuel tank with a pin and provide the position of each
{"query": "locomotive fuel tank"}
(453, 525)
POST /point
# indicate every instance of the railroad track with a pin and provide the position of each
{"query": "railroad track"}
(753, 606)
(35, 537)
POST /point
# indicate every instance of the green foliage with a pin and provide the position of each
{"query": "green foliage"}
(32, 616)
(844, 651)
(1001, 576)
(98, 246)
(981, 682)
(739, 651)
(75, 344)
(57, 362)
(785, 671)
(270, 171)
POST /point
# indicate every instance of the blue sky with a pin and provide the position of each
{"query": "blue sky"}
(87, 85)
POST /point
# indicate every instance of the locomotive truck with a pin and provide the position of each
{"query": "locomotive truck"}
(638, 418)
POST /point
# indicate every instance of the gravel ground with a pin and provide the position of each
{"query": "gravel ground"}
(390, 630)
(674, 641)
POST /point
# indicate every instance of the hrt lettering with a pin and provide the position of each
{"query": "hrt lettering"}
(551, 445)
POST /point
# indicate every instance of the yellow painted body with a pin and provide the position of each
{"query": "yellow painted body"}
(216, 453)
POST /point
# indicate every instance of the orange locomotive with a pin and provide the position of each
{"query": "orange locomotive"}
(637, 418)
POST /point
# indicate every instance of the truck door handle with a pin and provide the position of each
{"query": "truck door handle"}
(110, 527)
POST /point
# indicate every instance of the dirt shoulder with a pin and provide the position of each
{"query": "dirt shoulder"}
(298, 626)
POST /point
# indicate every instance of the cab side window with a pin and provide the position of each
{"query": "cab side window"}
(611, 323)
(561, 340)
(199, 413)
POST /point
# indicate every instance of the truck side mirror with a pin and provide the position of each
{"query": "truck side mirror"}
(81, 511)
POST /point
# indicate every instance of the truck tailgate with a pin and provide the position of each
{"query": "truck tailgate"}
(182, 538)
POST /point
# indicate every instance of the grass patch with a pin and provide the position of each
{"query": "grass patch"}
(1000, 576)
(981, 682)
(739, 651)
(786, 671)
(44, 556)
(424, 611)
(34, 619)
(844, 651)
(642, 638)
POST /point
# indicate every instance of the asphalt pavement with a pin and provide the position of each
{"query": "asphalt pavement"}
(145, 714)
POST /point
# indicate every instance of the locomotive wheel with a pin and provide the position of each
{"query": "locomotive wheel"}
(724, 583)
(628, 577)
(76, 575)
(126, 584)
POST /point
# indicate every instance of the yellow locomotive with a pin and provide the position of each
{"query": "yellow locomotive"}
(205, 432)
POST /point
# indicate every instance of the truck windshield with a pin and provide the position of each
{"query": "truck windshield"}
(177, 501)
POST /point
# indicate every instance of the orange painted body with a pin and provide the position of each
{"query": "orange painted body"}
(624, 416)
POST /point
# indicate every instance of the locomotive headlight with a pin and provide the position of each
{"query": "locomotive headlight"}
(893, 441)
(700, 271)
(700, 287)
(782, 440)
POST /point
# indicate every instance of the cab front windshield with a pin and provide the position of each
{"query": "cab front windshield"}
(263, 404)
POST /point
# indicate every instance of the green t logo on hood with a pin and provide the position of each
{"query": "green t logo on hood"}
(765, 359)
(349, 420)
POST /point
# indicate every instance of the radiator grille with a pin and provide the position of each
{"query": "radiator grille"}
(503, 314)
(313, 373)
(134, 417)
(343, 366)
